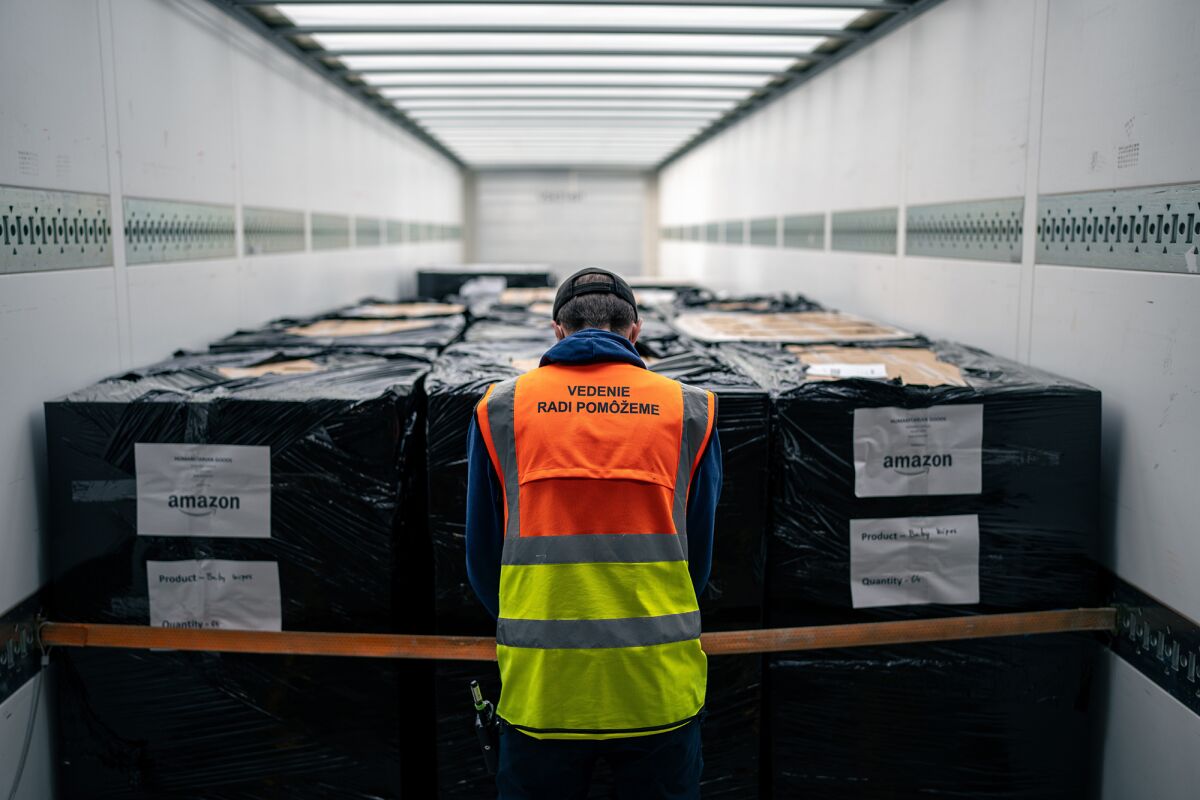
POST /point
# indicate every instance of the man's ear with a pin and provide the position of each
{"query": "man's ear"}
(559, 332)
(635, 331)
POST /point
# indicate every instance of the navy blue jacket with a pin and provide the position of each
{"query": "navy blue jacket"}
(485, 497)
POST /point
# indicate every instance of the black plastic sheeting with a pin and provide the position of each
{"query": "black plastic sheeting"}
(732, 600)
(409, 308)
(422, 340)
(771, 302)
(659, 340)
(346, 504)
(501, 326)
(456, 383)
(1037, 509)
(139, 724)
(443, 283)
(368, 476)
(505, 324)
(188, 370)
(1003, 719)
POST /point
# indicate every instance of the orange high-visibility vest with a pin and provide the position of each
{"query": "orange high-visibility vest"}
(599, 629)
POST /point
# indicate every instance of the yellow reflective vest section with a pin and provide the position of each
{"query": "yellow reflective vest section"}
(599, 629)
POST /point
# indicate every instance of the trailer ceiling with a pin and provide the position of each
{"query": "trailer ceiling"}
(574, 83)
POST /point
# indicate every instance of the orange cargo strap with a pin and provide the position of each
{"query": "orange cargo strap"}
(481, 648)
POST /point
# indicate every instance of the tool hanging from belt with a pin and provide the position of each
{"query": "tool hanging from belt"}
(487, 728)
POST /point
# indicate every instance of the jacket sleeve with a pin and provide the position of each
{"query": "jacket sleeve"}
(703, 495)
(485, 522)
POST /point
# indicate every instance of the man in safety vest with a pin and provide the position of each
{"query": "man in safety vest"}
(592, 486)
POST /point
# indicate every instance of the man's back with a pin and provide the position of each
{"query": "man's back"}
(595, 462)
(592, 487)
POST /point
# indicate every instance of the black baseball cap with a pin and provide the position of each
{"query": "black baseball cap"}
(572, 288)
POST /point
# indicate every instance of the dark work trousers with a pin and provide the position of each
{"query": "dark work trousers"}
(662, 766)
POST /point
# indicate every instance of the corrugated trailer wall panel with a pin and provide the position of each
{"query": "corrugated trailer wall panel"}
(986, 102)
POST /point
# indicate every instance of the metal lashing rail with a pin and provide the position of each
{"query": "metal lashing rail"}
(481, 648)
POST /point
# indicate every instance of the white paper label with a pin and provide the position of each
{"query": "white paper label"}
(234, 595)
(213, 490)
(914, 560)
(905, 451)
(848, 370)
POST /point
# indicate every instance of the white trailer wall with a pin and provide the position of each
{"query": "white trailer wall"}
(172, 101)
(568, 219)
(982, 99)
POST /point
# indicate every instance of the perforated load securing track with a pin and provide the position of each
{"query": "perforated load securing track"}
(481, 648)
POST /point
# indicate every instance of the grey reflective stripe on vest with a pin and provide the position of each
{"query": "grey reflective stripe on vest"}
(561, 634)
(695, 426)
(501, 420)
(588, 548)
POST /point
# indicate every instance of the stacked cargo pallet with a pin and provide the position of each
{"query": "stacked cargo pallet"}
(448, 280)
(416, 329)
(915, 479)
(262, 489)
(869, 474)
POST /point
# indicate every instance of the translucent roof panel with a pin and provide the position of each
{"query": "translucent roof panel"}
(391, 79)
(517, 137)
(658, 63)
(567, 156)
(542, 133)
(582, 146)
(675, 16)
(548, 148)
(568, 81)
(484, 116)
(551, 91)
(528, 134)
(566, 162)
(592, 131)
(545, 148)
(560, 42)
(575, 152)
(427, 103)
(535, 144)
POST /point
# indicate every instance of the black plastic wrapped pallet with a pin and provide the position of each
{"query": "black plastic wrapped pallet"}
(505, 323)
(146, 725)
(1028, 500)
(659, 340)
(187, 370)
(410, 308)
(746, 303)
(734, 595)
(961, 478)
(334, 452)
(444, 282)
(1005, 719)
(502, 326)
(419, 337)
(526, 314)
(457, 381)
(654, 287)
(732, 600)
